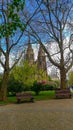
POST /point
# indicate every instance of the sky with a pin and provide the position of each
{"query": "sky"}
(24, 39)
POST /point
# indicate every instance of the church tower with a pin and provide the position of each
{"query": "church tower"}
(30, 53)
(42, 60)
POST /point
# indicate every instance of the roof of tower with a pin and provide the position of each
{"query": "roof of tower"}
(29, 48)
(29, 44)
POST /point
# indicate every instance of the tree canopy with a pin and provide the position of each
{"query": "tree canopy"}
(12, 28)
(52, 27)
(28, 74)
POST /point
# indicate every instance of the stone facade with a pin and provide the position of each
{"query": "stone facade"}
(30, 54)
(41, 58)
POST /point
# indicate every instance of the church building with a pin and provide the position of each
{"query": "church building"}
(41, 58)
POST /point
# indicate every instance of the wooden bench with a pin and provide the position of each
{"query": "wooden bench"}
(24, 96)
(63, 93)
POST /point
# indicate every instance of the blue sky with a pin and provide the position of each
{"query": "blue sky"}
(44, 37)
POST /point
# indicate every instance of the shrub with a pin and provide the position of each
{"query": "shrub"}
(48, 87)
(14, 86)
(37, 87)
(27, 88)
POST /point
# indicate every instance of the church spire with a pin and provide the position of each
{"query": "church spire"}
(42, 59)
(28, 37)
(29, 53)
(29, 43)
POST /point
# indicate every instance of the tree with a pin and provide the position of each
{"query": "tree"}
(27, 74)
(51, 25)
(24, 73)
(11, 31)
(41, 75)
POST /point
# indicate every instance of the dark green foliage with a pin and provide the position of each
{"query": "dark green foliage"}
(48, 87)
(14, 86)
(37, 87)
(27, 88)
(42, 86)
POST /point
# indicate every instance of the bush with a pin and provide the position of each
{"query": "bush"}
(27, 88)
(14, 86)
(48, 87)
(37, 87)
(42, 86)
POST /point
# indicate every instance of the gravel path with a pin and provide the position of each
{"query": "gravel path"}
(40, 115)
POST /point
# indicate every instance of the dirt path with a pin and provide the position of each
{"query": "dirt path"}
(41, 115)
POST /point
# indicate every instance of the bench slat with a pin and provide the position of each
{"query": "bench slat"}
(23, 96)
(63, 93)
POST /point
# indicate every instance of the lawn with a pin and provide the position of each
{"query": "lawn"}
(43, 95)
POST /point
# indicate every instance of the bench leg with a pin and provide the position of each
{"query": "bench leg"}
(18, 100)
(32, 99)
(70, 96)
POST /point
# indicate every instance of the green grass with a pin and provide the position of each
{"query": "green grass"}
(9, 100)
(43, 95)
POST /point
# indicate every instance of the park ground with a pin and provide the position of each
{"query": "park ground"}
(40, 115)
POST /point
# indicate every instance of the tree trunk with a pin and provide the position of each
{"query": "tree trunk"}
(6, 73)
(3, 93)
(63, 82)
